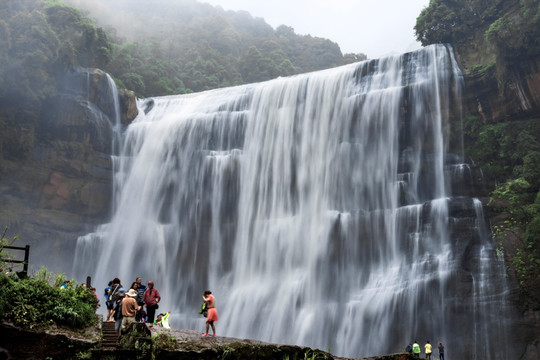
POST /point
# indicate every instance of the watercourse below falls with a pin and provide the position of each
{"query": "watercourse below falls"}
(323, 209)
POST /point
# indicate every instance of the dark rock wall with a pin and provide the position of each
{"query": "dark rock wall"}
(63, 186)
(492, 98)
(33, 345)
(26, 344)
(518, 99)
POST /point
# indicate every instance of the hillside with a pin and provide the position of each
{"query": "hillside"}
(204, 48)
(166, 47)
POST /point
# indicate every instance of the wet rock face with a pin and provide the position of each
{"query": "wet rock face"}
(516, 99)
(18, 343)
(64, 185)
(519, 99)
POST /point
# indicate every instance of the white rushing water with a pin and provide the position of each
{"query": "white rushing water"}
(314, 207)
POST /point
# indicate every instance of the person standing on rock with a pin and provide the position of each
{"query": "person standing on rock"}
(151, 299)
(212, 315)
(129, 308)
(140, 290)
(113, 291)
(427, 349)
(441, 350)
(416, 349)
(117, 312)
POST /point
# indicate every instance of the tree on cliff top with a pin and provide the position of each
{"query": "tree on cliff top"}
(512, 27)
(40, 39)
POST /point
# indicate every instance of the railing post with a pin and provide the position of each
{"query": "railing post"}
(26, 257)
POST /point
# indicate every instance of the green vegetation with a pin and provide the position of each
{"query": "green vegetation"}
(482, 69)
(47, 37)
(518, 232)
(510, 28)
(509, 154)
(456, 21)
(505, 150)
(204, 47)
(164, 341)
(178, 47)
(515, 34)
(39, 41)
(40, 301)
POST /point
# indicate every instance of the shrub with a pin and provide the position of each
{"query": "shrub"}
(33, 301)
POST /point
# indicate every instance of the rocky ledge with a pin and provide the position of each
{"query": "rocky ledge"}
(143, 343)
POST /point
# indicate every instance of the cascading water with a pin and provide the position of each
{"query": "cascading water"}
(317, 208)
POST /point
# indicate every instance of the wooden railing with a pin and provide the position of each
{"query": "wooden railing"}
(26, 256)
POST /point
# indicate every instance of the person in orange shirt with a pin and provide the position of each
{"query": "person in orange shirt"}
(212, 315)
(129, 308)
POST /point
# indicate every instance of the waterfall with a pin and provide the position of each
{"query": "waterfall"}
(317, 208)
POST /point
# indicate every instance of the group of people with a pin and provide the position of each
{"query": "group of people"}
(428, 349)
(126, 307)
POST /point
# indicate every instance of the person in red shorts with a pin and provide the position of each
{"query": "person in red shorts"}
(212, 315)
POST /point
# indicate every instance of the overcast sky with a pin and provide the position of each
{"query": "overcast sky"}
(372, 27)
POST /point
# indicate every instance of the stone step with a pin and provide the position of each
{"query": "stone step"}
(110, 338)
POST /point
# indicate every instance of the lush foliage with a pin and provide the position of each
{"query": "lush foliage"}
(509, 154)
(166, 47)
(39, 39)
(164, 341)
(456, 21)
(46, 37)
(519, 235)
(515, 35)
(34, 301)
(511, 28)
(506, 150)
(177, 47)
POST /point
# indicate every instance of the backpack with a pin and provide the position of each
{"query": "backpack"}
(114, 293)
(118, 311)
(204, 309)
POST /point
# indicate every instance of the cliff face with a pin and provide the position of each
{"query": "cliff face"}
(518, 102)
(519, 99)
(501, 62)
(504, 89)
(62, 186)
